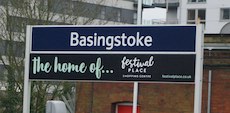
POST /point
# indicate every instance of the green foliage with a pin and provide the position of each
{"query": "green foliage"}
(15, 15)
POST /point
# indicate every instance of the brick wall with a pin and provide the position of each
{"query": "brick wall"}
(99, 97)
(155, 97)
(220, 100)
(166, 98)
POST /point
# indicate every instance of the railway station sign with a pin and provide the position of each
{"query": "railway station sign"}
(112, 53)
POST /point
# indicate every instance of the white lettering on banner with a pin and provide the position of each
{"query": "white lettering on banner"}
(136, 62)
(135, 65)
(97, 68)
(109, 42)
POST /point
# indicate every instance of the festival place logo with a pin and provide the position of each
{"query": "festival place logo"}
(137, 67)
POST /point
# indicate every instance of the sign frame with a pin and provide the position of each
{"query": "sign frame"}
(172, 48)
(198, 63)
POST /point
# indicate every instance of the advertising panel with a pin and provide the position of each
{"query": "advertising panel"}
(113, 67)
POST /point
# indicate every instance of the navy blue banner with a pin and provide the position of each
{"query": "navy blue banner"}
(113, 67)
(115, 38)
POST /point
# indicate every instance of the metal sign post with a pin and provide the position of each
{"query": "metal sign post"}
(199, 70)
(27, 82)
(135, 85)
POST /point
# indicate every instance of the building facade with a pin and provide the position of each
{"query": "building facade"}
(212, 13)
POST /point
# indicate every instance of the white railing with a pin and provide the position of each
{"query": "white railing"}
(153, 21)
(172, 21)
(165, 1)
(159, 21)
